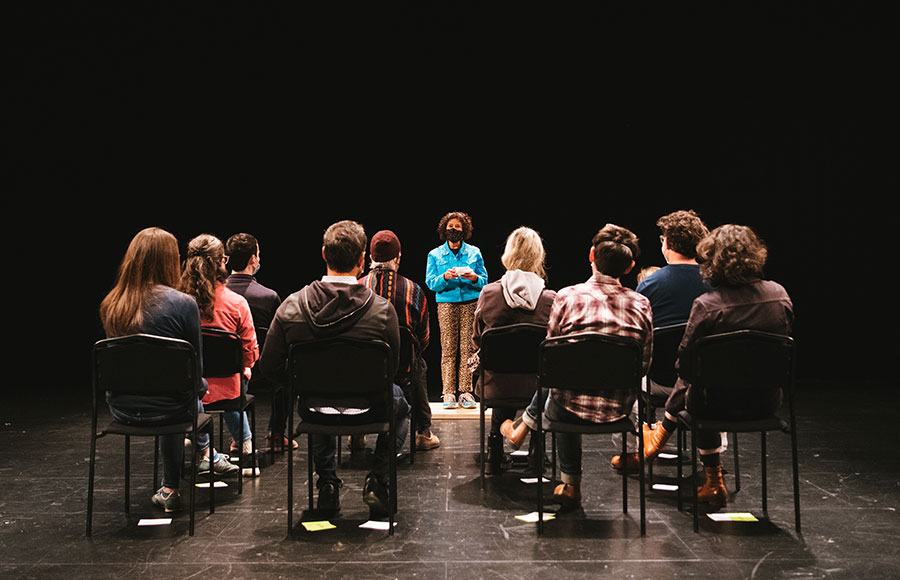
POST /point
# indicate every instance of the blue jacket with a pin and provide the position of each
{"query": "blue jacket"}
(442, 259)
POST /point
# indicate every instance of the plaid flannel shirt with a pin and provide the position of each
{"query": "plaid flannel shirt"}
(603, 305)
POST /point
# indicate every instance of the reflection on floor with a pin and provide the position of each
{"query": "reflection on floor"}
(447, 526)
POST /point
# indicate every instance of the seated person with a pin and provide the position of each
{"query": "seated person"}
(204, 278)
(671, 291)
(731, 260)
(519, 296)
(144, 301)
(601, 305)
(337, 305)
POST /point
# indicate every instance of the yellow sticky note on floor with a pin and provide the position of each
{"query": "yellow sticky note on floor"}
(318, 526)
(533, 517)
(733, 517)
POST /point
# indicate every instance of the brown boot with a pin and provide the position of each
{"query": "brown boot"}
(654, 440)
(630, 464)
(713, 490)
(514, 432)
(568, 495)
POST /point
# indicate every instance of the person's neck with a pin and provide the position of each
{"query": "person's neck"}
(674, 258)
(246, 271)
(352, 274)
(455, 245)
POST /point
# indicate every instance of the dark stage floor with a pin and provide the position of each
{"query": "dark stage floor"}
(448, 527)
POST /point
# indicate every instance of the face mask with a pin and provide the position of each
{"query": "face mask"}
(454, 236)
(255, 270)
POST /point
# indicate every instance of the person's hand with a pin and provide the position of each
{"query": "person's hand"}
(248, 372)
(469, 276)
(450, 274)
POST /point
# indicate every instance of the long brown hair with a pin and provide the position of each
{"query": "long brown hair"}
(203, 270)
(151, 259)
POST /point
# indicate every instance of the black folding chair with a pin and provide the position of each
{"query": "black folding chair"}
(592, 363)
(146, 365)
(508, 350)
(223, 357)
(407, 374)
(741, 376)
(666, 340)
(342, 373)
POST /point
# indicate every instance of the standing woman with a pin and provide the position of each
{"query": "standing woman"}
(204, 278)
(144, 300)
(455, 272)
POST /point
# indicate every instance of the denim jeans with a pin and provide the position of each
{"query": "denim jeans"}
(324, 450)
(233, 421)
(171, 447)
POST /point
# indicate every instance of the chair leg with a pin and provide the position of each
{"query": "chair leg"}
(290, 469)
(309, 467)
(392, 466)
(412, 425)
(540, 476)
(90, 497)
(155, 462)
(127, 473)
(482, 457)
(765, 494)
(624, 477)
(796, 476)
(693, 482)
(737, 464)
(679, 473)
(240, 454)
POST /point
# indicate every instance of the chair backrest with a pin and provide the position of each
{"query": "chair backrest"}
(511, 348)
(143, 364)
(743, 371)
(341, 371)
(591, 363)
(223, 354)
(666, 340)
(261, 332)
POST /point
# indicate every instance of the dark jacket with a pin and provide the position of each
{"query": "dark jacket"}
(493, 310)
(327, 309)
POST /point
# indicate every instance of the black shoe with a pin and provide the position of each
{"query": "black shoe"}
(329, 497)
(375, 495)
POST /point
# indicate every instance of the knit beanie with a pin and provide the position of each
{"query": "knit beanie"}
(385, 246)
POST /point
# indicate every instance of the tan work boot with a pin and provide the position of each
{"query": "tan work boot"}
(655, 440)
(630, 464)
(713, 490)
(568, 495)
(427, 441)
(514, 432)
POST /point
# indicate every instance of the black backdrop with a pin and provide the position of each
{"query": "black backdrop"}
(280, 122)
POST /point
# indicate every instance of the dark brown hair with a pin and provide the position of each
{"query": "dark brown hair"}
(683, 230)
(615, 248)
(463, 218)
(151, 259)
(731, 255)
(240, 248)
(343, 243)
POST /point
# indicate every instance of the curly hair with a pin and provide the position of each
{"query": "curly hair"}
(203, 269)
(683, 230)
(615, 248)
(731, 255)
(463, 218)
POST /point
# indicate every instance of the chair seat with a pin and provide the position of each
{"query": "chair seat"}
(344, 429)
(620, 426)
(772, 423)
(236, 404)
(118, 428)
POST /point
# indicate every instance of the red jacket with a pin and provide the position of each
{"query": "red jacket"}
(232, 313)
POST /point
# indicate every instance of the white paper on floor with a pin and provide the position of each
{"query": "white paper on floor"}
(375, 525)
(154, 521)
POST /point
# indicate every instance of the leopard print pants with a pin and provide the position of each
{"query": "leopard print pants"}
(455, 321)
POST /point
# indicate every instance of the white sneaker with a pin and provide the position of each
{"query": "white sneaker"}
(450, 402)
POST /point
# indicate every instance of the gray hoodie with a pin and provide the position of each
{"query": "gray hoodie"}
(521, 289)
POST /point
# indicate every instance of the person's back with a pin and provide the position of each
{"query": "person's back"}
(671, 291)
(263, 301)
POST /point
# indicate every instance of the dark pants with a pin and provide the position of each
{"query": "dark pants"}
(418, 394)
(171, 447)
(324, 448)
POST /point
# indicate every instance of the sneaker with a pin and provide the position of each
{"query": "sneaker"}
(246, 447)
(375, 495)
(170, 502)
(427, 441)
(466, 401)
(449, 402)
(329, 497)
(221, 466)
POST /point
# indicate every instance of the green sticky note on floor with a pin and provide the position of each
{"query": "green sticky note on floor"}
(318, 526)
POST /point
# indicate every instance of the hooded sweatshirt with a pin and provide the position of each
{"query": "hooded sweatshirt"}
(324, 309)
(517, 297)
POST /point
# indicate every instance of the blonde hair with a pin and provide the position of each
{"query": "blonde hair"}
(524, 251)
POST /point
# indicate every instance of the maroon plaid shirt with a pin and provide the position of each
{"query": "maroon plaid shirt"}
(603, 305)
